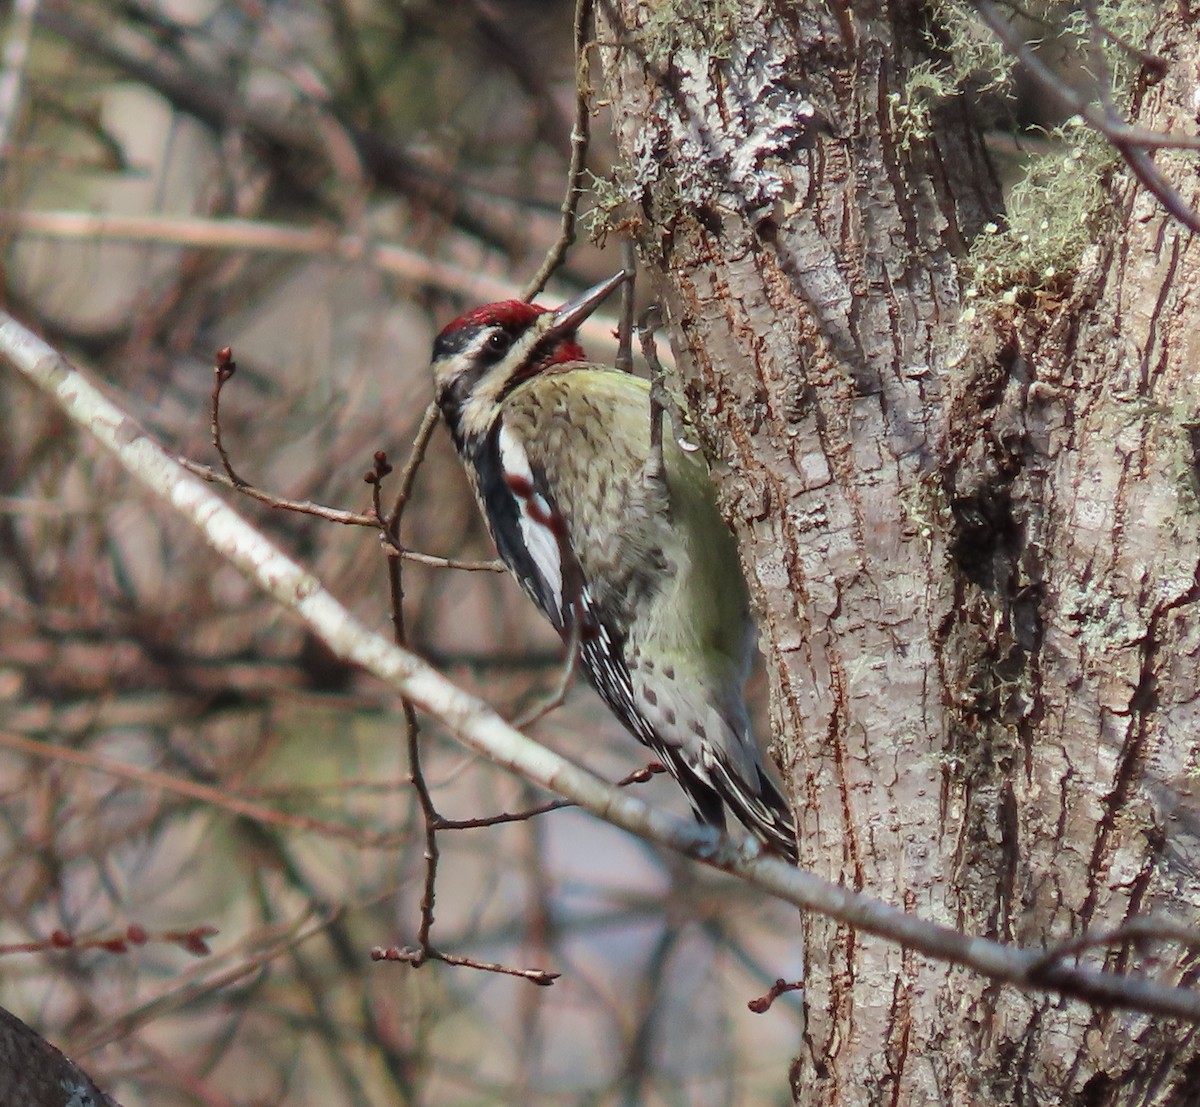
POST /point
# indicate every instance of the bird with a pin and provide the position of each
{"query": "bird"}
(613, 531)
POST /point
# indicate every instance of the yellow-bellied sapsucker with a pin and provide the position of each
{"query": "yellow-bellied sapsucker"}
(617, 541)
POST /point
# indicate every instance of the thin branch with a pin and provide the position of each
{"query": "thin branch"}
(624, 360)
(1155, 66)
(225, 369)
(222, 372)
(261, 237)
(12, 73)
(218, 797)
(1157, 185)
(431, 819)
(638, 776)
(1131, 142)
(482, 730)
(411, 955)
(1135, 931)
(412, 734)
(1116, 130)
(301, 507)
(193, 941)
(580, 135)
(408, 475)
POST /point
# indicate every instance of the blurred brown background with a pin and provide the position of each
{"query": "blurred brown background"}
(439, 131)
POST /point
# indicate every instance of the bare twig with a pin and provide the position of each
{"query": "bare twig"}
(555, 700)
(1155, 66)
(638, 776)
(432, 821)
(1135, 931)
(1131, 142)
(301, 507)
(193, 940)
(624, 360)
(1157, 185)
(417, 956)
(580, 133)
(416, 777)
(374, 477)
(762, 1004)
(216, 797)
(222, 372)
(1117, 130)
(408, 475)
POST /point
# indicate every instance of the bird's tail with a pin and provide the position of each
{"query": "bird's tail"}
(759, 806)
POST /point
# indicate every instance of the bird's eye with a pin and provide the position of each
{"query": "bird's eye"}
(498, 342)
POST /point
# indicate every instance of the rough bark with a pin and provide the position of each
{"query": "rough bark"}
(974, 551)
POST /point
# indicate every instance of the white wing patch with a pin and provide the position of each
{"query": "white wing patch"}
(534, 514)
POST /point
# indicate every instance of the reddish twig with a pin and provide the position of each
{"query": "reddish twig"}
(638, 776)
(225, 368)
(301, 507)
(762, 1004)
(194, 941)
(222, 372)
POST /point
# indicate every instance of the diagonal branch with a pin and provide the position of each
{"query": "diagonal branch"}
(482, 730)
(1131, 142)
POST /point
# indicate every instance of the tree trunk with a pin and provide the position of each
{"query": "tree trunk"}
(973, 545)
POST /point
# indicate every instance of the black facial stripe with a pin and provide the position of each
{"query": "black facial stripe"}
(470, 344)
(478, 342)
(451, 408)
(455, 342)
(540, 358)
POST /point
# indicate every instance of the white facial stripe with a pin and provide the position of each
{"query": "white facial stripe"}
(539, 539)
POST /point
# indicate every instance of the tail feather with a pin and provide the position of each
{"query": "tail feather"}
(760, 807)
